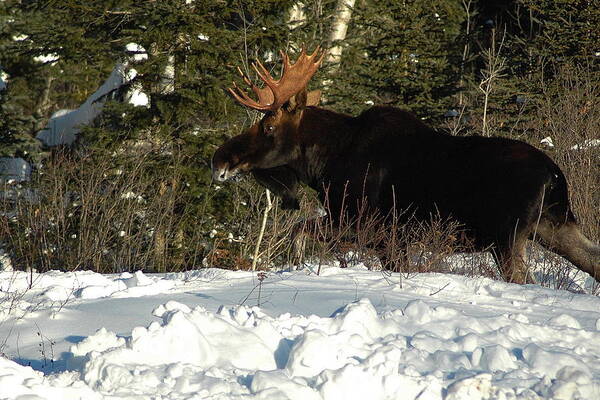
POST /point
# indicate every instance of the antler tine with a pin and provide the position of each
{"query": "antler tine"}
(321, 53)
(265, 95)
(262, 104)
(303, 50)
(240, 95)
(316, 53)
(320, 60)
(286, 61)
(247, 81)
(244, 77)
(263, 73)
(277, 92)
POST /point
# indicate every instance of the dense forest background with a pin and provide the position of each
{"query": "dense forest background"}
(134, 191)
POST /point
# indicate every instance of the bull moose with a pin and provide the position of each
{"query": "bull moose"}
(502, 191)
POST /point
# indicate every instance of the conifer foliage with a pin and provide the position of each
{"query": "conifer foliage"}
(401, 53)
(429, 56)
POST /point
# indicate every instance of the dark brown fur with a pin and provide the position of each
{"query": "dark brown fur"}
(501, 190)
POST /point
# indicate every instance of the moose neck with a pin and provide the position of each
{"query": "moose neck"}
(321, 134)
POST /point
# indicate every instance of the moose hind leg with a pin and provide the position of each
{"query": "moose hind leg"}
(568, 241)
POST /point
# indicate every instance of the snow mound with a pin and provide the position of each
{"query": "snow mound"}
(422, 352)
(24, 383)
(54, 287)
(347, 334)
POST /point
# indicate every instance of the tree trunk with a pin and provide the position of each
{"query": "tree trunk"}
(43, 105)
(339, 28)
(167, 77)
(296, 16)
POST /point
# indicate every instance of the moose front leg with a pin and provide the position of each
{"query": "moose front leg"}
(510, 258)
(282, 181)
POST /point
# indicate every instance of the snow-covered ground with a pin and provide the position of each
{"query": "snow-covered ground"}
(14, 169)
(64, 125)
(345, 334)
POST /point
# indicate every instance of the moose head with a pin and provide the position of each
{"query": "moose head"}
(271, 141)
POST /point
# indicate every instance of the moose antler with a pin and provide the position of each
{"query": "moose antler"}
(277, 92)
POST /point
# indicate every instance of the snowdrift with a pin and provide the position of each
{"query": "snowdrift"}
(347, 334)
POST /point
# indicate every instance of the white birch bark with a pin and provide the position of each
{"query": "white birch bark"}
(167, 78)
(339, 28)
(296, 16)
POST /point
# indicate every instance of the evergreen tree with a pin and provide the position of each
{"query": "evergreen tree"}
(425, 56)
(400, 53)
(190, 50)
(539, 38)
(16, 121)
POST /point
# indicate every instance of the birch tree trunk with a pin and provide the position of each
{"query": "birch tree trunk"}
(339, 28)
(167, 77)
(296, 16)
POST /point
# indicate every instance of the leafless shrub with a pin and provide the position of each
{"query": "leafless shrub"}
(220, 257)
(569, 114)
(248, 244)
(316, 238)
(86, 214)
(431, 242)
(553, 271)
(495, 65)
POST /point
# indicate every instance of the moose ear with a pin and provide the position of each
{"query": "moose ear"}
(313, 98)
(297, 102)
(304, 99)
